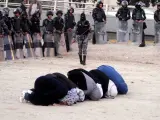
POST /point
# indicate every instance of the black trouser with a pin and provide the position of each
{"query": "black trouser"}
(67, 42)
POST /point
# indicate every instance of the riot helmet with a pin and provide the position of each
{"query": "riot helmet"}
(138, 5)
(124, 3)
(49, 13)
(6, 11)
(59, 13)
(100, 4)
(83, 16)
(71, 10)
(17, 11)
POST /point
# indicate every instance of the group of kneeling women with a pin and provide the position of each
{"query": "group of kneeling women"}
(56, 88)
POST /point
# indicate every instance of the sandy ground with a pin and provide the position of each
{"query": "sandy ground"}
(140, 67)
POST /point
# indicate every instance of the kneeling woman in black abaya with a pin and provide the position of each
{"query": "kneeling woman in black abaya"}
(53, 88)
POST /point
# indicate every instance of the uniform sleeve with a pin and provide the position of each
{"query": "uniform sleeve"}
(128, 15)
(144, 15)
(104, 15)
(44, 25)
(5, 28)
(65, 21)
(118, 13)
(74, 22)
(134, 15)
(62, 24)
(156, 16)
(94, 14)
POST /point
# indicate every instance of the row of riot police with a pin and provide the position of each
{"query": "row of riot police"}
(21, 37)
(138, 17)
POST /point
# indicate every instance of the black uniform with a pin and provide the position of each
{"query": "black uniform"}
(82, 30)
(3, 30)
(36, 34)
(98, 13)
(26, 23)
(69, 20)
(138, 13)
(69, 26)
(48, 26)
(58, 26)
(35, 27)
(157, 23)
(123, 14)
(157, 15)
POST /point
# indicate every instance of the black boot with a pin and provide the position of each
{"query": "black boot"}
(84, 59)
(80, 58)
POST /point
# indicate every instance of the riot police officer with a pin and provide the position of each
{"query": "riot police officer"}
(82, 31)
(3, 31)
(99, 17)
(157, 24)
(58, 26)
(48, 26)
(138, 17)
(123, 15)
(69, 26)
(18, 34)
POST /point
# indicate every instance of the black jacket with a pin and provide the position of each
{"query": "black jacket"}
(138, 14)
(83, 27)
(157, 16)
(26, 25)
(3, 27)
(17, 24)
(123, 13)
(58, 23)
(48, 25)
(7, 21)
(69, 21)
(98, 14)
(47, 91)
(35, 27)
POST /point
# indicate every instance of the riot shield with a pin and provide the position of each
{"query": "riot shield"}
(157, 34)
(137, 32)
(8, 48)
(100, 33)
(37, 45)
(122, 32)
(49, 48)
(28, 45)
(1, 49)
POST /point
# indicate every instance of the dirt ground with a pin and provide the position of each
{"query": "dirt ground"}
(140, 68)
